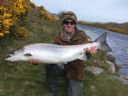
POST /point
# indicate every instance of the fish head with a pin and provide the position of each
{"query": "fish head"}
(18, 55)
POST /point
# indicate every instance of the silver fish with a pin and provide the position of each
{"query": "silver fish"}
(57, 54)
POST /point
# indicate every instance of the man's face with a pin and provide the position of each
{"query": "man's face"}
(68, 25)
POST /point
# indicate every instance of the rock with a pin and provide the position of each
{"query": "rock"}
(112, 68)
(122, 80)
(94, 70)
(110, 58)
(125, 77)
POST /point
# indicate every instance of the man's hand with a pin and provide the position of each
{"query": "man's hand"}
(91, 50)
(35, 62)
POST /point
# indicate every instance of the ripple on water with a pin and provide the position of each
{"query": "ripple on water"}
(118, 42)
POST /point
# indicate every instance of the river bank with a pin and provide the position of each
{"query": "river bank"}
(111, 26)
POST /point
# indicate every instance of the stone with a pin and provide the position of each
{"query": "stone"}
(94, 70)
(112, 68)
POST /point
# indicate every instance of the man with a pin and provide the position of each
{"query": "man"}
(74, 70)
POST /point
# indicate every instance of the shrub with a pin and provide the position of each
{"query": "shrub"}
(11, 12)
(43, 13)
(21, 32)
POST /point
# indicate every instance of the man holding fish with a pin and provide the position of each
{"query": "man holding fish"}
(74, 70)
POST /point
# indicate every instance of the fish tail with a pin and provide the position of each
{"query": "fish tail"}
(103, 44)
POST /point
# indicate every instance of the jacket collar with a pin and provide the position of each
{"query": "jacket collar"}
(74, 37)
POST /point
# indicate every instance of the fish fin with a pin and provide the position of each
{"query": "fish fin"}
(61, 65)
(27, 54)
(83, 56)
(103, 44)
(65, 62)
(10, 55)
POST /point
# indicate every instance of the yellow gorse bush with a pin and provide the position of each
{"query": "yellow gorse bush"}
(1, 34)
(43, 13)
(6, 15)
(118, 29)
(10, 13)
(50, 18)
(7, 23)
(21, 32)
(19, 7)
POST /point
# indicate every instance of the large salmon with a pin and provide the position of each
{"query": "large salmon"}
(57, 54)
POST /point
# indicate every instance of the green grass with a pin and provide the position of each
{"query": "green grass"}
(24, 79)
(102, 85)
(21, 80)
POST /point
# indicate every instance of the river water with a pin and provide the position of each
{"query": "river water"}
(118, 43)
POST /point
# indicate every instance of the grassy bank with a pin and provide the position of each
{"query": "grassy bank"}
(103, 84)
(24, 79)
(115, 27)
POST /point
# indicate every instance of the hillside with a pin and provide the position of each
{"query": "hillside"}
(24, 79)
(111, 26)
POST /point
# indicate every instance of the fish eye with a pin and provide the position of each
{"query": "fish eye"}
(27, 54)
(8, 55)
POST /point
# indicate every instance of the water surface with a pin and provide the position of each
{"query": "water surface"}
(117, 41)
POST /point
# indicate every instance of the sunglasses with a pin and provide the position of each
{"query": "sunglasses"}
(67, 22)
